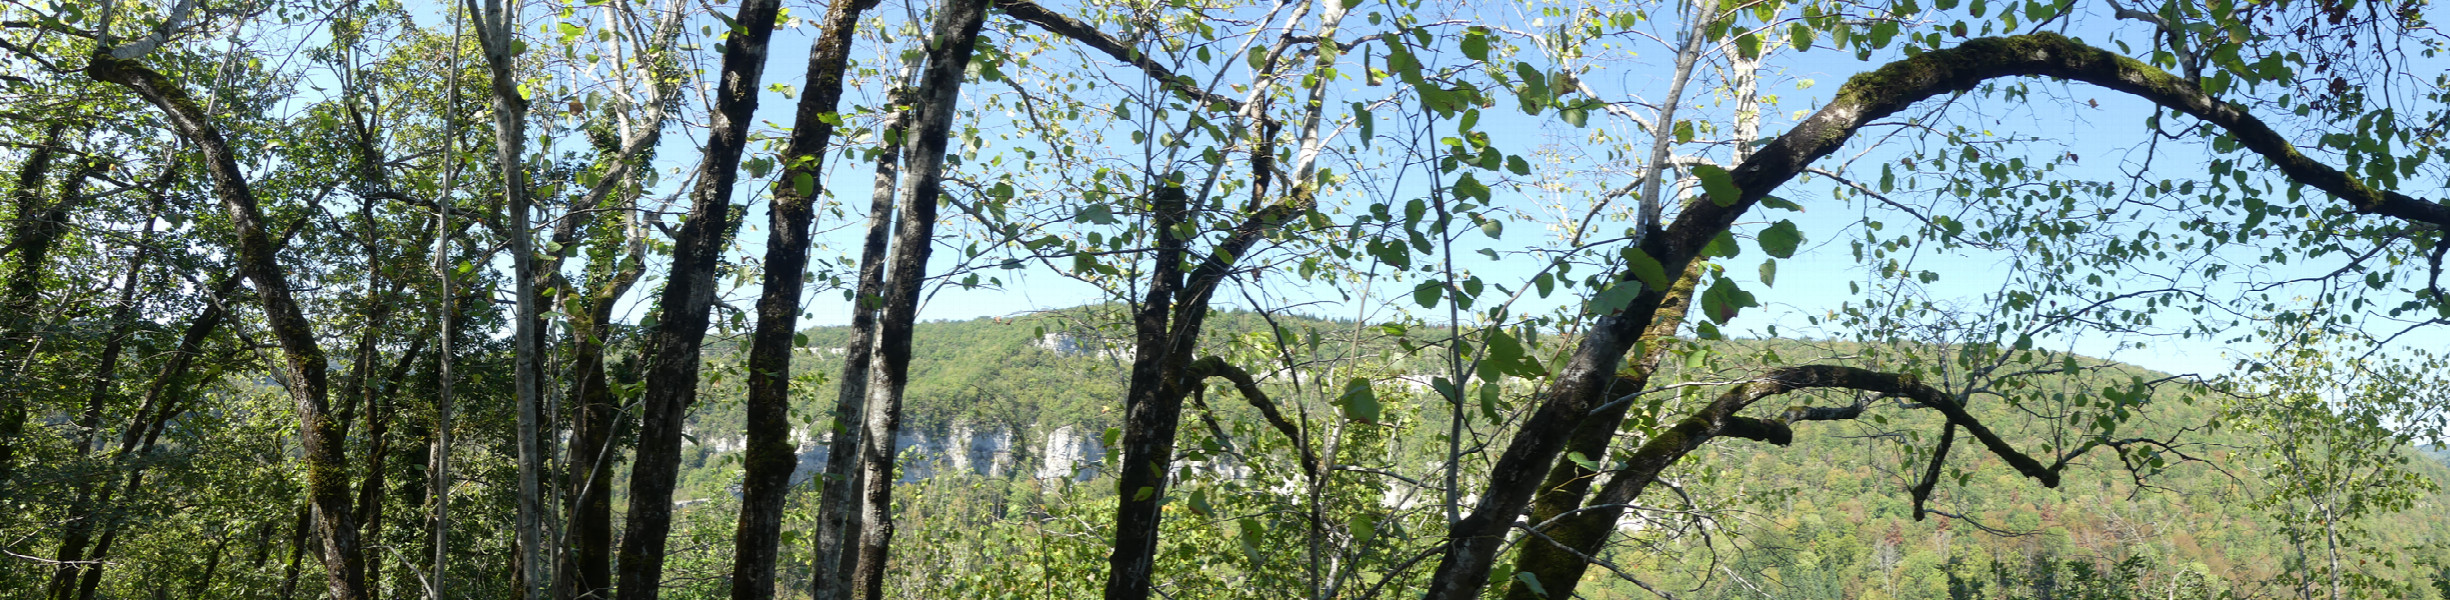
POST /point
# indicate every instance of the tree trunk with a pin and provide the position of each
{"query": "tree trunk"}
(838, 506)
(495, 33)
(948, 57)
(379, 409)
(297, 551)
(305, 364)
(688, 297)
(212, 566)
(161, 403)
(34, 237)
(92, 579)
(587, 569)
(1153, 409)
(770, 457)
(1559, 570)
(586, 540)
(89, 423)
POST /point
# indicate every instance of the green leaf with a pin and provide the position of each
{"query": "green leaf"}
(1577, 115)
(1698, 359)
(1428, 292)
(1769, 272)
(1359, 402)
(1722, 246)
(1095, 213)
(1536, 94)
(1748, 46)
(1468, 187)
(1684, 131)
(1476, 44)
(1718, 184)
(1518, 166)
(1532, 582)
(1200, 505)
(1503, 348)
(1781, 239)
(1492, 227)
(803, 185)
(1882, 32)
(1362, 117)
(1647, 269)
(1251, 534)
(1723, 300)
(1615, 298)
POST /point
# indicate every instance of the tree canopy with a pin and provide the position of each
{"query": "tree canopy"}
(1345, 299)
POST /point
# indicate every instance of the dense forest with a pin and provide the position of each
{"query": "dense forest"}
(1355, 299)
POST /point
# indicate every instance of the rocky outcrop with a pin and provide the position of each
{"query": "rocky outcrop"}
(1071, 455)
(1073, 345)
(1065, 453)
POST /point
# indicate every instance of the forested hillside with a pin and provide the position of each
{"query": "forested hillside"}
(1223, 299)
(1826, 517)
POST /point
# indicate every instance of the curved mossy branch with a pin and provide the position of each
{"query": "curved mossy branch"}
(1569, 481)
(1583, 532)
(327, 472)
(1584, 378)
(1086, 34)
(1249, 387)
(1883, 92)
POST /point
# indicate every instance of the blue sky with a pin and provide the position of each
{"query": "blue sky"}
(2103, 126)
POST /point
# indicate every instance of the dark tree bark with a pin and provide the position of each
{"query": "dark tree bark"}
(297, 552)
(327, 469)
(687, 299)
(586, 538)
(1166, 327)
(162, 402)
(379, 409)
(1167, 323)
(770, 458)
(263, 544)
(933, 106)
(587, 569)
(495, 24)
(1574, 536)
(1568, 480)
(31, 238)
(838, 505)
(89, 423)
(212, 566)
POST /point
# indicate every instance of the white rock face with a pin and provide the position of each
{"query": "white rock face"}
(1071, 455)
(988, 453)
(1072, 345)
(962, 448)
